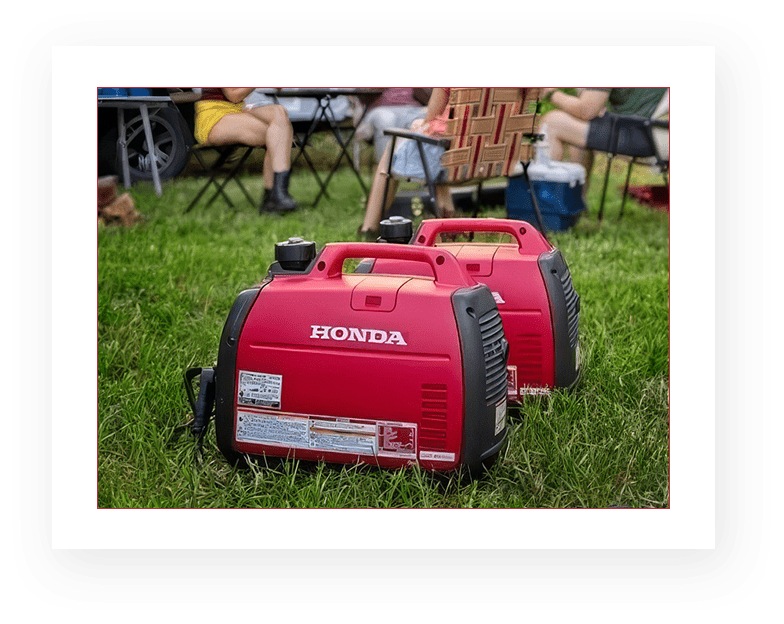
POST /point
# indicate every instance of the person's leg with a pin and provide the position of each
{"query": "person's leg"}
(249, 129)
(277, 160)
(241, 128)
(563, 129)
(444, 203)
(279, 138)
(246, 129)
(376, 204)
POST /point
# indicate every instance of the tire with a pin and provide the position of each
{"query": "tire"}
(172, 146)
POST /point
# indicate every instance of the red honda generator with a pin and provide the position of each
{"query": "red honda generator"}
(530, 282)
(320, 364)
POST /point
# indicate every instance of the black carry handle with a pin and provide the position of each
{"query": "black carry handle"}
(203, 404)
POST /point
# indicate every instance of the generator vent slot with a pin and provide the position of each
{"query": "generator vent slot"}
(528, 354)
(572, 306)
(432, 430)
(492, 331)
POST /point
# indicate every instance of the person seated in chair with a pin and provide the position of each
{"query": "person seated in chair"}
(220, 120)
(585, 121)
(433, 124)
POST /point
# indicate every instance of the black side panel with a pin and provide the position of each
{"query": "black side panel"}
(485, 352)
(226, 373)
(565, 313)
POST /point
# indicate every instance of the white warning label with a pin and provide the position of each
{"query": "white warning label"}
(303, 431)
(272, 429)
(260, 389)
(343, 437)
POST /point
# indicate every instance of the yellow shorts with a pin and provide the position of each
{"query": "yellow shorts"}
(208, 113)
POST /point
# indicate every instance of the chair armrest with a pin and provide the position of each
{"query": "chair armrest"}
(416, 136)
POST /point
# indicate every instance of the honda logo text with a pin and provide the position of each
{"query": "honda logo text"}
(352, 334)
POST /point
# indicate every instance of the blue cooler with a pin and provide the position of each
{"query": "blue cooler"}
(559, 193)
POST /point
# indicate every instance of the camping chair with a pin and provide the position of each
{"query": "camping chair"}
(490, 132)
(224, 168)
(657, 133)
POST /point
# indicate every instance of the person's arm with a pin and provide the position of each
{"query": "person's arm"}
(237, 94)
(438, 101)
(586, 106)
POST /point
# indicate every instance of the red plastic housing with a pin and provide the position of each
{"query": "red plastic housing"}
(512, 273)
(346, 367)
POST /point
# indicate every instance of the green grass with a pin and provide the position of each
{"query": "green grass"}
(165, 288)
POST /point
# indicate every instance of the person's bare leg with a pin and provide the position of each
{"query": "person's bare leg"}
(241, 128)
(583, 157)
(563, 129)
(238, 128)
(280, 136)
(444, 203)
(252, 129)
(376, 204)
(277, 160)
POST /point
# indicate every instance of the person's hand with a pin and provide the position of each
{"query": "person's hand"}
(419, 125)
(548, 91)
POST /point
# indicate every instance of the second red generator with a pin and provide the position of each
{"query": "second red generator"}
(530, 282)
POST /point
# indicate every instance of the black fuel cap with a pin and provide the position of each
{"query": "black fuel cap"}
(295, 254)
(396, 230)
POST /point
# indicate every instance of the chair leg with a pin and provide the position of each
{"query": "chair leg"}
(196, 199)
(231, 176)
(604, 189)
(388, 176)
(626, 188)
(214, 172)
(478, 203)
(534, 201)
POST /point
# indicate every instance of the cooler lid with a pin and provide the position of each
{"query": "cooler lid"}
(557, 171)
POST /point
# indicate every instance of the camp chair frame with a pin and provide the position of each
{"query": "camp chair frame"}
(225, 152)
(654, 158)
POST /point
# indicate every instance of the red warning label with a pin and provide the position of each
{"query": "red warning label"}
(397, 439)
(511, 382)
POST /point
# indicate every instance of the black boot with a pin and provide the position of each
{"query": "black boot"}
(277, 199)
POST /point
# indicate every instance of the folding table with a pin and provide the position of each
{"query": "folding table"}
(144, 104)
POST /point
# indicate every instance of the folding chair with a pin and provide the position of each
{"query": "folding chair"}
(657, 150)
(490, 132)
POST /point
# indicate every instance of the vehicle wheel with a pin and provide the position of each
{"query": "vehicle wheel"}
(171, 149)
